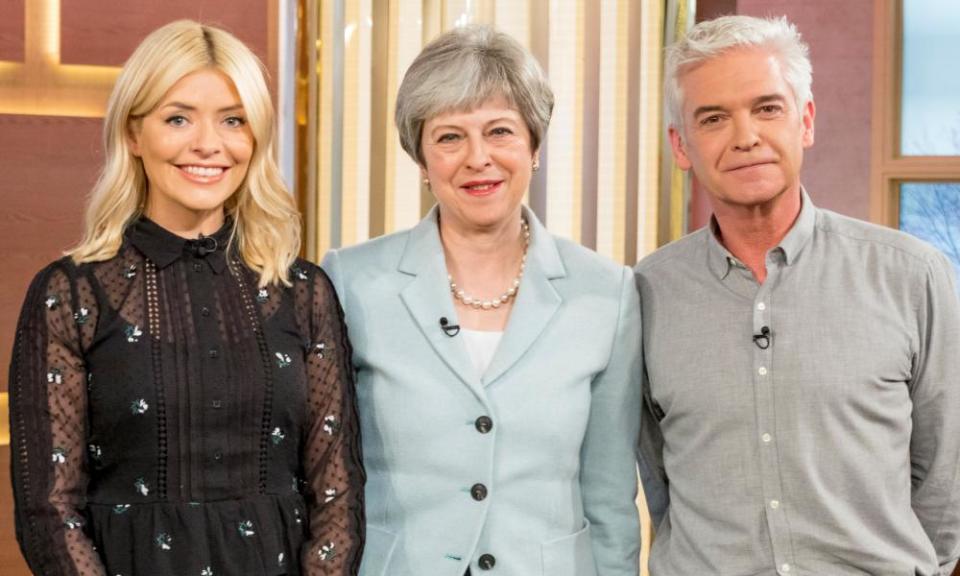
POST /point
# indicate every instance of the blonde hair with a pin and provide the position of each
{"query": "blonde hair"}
(266, 223)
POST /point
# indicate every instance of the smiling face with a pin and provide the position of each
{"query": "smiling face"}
(742, 134)
(196, 147)
(479, 164)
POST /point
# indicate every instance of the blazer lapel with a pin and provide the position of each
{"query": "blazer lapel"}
(537, 301)
(427, 298)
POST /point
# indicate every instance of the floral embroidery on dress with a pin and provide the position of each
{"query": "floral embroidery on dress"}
(329, 495)
(280, 560)
(277, 436)
(245, 528)
(262, 295)
(59, 456)
(208, 571)
(163, 541)
(95, 452)
(81, 315)
(55, 376)
(330, 424)
(296, 514)
(318, 349)
(133, 333)
(89, 381)
(283, 360)
(73, 522)
(121, 508)
(130, 272)
(327, 551)
(296, 484)
(52, 302)
(139, 406)
(300, 273)
(142, 487)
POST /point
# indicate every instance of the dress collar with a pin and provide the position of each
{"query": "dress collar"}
(163, 247)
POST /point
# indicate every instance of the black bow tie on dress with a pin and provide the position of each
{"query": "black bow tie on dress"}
(203, 245)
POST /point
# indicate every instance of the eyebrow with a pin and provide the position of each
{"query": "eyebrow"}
(485, 124)
(759, 100)
(188, 107)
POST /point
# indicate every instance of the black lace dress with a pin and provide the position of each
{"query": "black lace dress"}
(170, 418)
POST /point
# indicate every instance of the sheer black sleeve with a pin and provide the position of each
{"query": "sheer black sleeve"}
(48, 395)
(332, 460)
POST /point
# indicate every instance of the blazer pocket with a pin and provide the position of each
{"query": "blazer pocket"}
(570, 555)
(377, 551)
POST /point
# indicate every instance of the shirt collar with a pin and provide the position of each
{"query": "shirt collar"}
(163, 247)
(720, 260)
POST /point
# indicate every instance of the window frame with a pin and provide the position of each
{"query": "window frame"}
(889, 168)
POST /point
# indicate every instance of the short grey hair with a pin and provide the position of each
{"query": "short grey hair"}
(463, 68)
(712, 38)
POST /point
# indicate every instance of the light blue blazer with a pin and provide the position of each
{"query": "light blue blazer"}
(562, 391)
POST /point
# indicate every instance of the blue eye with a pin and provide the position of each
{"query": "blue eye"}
(176, 120)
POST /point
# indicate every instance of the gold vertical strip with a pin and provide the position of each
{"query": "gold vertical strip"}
(678, 179)
(361, 203)
(4, 420)
(389, 134)
(324, 146)
(619, 216)
(651, 130)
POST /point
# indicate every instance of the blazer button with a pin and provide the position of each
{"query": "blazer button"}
(484, 424)
(486, 561)
(478, 491)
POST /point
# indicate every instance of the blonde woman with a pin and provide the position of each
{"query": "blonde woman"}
(182, 397)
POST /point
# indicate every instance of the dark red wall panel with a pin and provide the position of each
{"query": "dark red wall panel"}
(106, 33)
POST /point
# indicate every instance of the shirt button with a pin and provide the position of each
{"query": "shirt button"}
(197, 267)
(785, 568)
(486, 561)
(204, 311)
(217, 404)
(218, 456)
(212, 353)
(774, 504)
(478, 491)
(766, 437)
(484, 424)
(762, 371)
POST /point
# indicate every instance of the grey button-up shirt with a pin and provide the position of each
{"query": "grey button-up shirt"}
(833, 450)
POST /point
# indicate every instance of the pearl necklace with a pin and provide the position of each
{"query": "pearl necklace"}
(509, 293)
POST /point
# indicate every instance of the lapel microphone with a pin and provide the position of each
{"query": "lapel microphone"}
(449, 329)
(762, 340)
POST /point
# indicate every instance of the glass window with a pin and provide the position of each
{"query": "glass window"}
(931, 211)
(930, 119)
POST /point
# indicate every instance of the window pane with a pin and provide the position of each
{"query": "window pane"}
(931, 211)
(930, 114)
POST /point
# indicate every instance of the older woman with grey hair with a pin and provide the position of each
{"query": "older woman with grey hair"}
(497, 366)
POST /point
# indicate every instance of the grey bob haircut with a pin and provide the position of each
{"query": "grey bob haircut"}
(463, 68)
(712, 38)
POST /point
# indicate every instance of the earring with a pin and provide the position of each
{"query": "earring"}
(426, 182)
(536, 165)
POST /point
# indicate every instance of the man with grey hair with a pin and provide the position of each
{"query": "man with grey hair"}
(802, 383)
